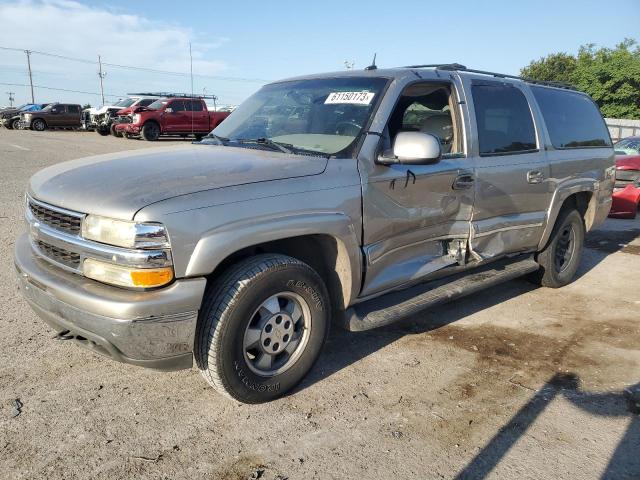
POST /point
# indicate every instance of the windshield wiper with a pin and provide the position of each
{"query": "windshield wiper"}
(282, 147)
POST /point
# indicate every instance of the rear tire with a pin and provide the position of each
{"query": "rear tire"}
(261, 327)
(150, 131)
(38, 125)
(102, 130)
(560, 259)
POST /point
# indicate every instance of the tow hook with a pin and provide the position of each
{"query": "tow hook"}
(64, 335)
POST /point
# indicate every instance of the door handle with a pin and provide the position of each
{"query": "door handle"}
(535, 176)
(463, 181)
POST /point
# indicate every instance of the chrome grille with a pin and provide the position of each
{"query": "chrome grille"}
(56, 218)
(59, 255)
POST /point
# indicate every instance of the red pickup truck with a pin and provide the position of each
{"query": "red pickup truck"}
(174, 116)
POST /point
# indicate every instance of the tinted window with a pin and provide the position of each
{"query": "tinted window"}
(196, 106)
(73, 108)
(504, 119)
(572, 119)
(177, 106)
(145, 102)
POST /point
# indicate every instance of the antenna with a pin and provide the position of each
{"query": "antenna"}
(373, 64)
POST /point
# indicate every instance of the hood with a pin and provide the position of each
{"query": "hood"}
(628, 162)
(118, 185)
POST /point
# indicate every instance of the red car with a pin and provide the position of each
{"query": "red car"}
(174, 116)
(626, 193)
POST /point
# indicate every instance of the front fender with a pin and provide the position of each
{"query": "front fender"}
(219, 243)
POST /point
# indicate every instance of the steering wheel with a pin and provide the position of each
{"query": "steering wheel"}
(348, 128)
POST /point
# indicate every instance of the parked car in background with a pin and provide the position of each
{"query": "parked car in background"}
(320, 199)
(627, 146)
(55, 115)
(180, 116)
(10, 117)
(626, 192)
(101, 119)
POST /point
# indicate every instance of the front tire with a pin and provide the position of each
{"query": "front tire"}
(115, 132)
(261, 328)
(15, 124)
(560, 259)
(150, 131)
(38, 125)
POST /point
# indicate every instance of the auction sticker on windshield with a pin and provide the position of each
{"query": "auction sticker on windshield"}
(357, 98)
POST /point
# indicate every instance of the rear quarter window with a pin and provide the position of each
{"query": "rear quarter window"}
(505, 124)
(572, 118)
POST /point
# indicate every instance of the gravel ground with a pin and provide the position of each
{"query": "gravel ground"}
(514, 382)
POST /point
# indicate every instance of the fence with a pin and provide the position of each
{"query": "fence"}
(621, 128)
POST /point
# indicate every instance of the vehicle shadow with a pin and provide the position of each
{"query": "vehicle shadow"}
(345, 348)
(623, 464)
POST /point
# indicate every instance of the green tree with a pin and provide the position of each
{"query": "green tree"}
(610, 75)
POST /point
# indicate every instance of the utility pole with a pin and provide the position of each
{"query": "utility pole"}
(11, 98)
(28, 52)
(101, 75)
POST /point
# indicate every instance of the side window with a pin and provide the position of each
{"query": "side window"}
(572, 119)
(177, 106)
(428, 108)
(196, 106)
(504, 120)
(73, 108)
(145, 102)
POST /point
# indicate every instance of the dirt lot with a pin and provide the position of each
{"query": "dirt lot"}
(514, 382)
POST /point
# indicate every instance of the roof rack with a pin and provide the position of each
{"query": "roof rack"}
(459, 67)
(174, 95)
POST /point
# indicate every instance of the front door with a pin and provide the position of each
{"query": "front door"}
(176, 119)
(416, 217)
(512, 170)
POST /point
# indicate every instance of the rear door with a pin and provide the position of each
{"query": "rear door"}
(72, 117)
(200, 116)
(512, 192)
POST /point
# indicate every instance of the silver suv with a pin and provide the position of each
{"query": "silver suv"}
(357, 197)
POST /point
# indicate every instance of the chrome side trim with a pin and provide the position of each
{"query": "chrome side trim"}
(98, 251)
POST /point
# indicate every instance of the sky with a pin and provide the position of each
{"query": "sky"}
(238, 46)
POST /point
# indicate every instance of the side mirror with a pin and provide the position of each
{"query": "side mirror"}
(168, 110)
(413, 148)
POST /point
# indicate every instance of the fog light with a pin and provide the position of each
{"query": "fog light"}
(126, 277)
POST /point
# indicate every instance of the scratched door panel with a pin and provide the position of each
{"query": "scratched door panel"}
(409, 212)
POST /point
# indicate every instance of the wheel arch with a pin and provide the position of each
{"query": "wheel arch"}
(327, 243)
(581, 196)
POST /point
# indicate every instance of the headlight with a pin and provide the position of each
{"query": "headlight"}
(126, 277)
(123, 233)
(136, 118)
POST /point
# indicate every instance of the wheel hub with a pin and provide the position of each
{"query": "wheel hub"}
(276, 333)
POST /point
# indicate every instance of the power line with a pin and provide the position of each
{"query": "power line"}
(141, 69)
(60, 89)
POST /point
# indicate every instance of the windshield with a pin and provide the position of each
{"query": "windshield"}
(320, 115)
(628, 146)
(158, 104)
(125, 102)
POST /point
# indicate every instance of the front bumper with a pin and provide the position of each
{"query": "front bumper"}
(153, 329)
(133, 129)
